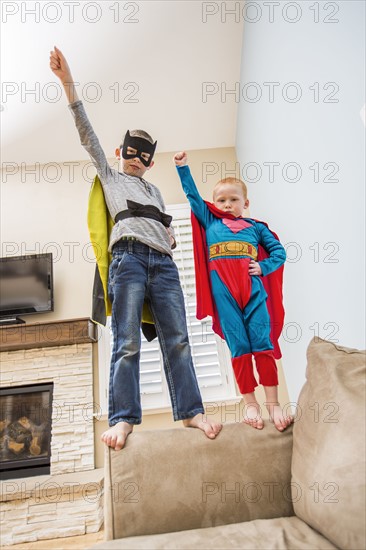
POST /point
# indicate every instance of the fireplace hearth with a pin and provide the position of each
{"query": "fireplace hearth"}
(25, 430)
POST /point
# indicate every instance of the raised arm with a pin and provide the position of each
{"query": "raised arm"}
(196, 202)
(60, 67)
(88, 138)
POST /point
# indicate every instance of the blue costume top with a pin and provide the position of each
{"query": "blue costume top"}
(218, 230)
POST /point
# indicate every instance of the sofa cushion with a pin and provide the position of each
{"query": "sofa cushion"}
(328, 467)
(271, 534)
(177, 479)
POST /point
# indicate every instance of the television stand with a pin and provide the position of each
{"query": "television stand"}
(11, 321)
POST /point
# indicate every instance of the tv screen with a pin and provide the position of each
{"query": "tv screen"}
(26, 284)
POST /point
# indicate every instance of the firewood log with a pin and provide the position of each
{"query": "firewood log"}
(15, 447)
(26, 423)
(35, 446)
(37, 432)
(18, 433)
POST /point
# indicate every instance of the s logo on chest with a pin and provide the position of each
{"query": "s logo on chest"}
(236, 225)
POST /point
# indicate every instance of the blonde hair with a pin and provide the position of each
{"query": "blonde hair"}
(232, 181)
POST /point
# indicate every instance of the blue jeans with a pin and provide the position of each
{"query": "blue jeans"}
(138, 272)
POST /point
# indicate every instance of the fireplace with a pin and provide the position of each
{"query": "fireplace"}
(25, 430)
(46, 386)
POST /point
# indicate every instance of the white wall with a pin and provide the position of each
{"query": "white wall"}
(139, 64)
(317, 128)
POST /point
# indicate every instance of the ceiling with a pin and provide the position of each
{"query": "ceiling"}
(140, 64)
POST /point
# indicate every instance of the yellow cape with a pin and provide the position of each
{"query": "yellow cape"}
(100, 224)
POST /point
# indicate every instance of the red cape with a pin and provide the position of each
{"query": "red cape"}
(205, 304)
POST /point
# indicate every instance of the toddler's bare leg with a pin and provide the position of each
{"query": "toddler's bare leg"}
(116, 435)
(252, 411)
(275, 411)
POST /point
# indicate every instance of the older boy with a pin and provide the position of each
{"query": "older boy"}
(141, 269)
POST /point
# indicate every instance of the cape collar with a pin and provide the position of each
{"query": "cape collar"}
(220, 213)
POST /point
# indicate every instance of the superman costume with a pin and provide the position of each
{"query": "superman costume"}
(237, 301)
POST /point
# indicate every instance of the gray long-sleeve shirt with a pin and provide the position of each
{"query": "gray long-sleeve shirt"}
(119, 187)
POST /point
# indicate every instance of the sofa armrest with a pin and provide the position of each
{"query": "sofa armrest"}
(177, 479)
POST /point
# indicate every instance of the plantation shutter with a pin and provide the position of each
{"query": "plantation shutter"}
(211, 357)
(153, 388)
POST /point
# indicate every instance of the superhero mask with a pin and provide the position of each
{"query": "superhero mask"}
(144, 149)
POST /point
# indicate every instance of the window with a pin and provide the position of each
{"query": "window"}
(210, 354)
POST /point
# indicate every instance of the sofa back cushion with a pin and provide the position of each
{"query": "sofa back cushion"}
(177, 479)
(328, 466)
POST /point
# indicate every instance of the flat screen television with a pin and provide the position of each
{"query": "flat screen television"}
(26, 286)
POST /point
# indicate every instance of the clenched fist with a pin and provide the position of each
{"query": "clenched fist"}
(181, 158)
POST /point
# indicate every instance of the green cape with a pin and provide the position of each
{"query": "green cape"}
(100, 224)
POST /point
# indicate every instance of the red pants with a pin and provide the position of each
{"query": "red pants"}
(266, 367)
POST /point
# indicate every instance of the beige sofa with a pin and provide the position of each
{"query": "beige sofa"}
(301, 489)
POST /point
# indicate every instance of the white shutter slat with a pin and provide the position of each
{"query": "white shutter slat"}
(202, 339)
(210, 355)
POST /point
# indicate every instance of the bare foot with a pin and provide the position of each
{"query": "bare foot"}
(253, 415)
(211, 429)
(116, 436)
(276, 416)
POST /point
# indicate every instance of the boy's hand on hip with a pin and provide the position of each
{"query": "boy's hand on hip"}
(181, 158)
(254, 268)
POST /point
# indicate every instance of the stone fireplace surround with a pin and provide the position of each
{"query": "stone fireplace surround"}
(69, 501)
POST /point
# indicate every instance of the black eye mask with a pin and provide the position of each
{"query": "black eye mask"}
(141, 145)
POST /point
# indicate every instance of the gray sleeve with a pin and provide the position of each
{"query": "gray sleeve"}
(90, 141)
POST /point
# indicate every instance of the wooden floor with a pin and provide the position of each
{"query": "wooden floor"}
(68, 543)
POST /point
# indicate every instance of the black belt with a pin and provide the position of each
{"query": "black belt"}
(135, 209)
